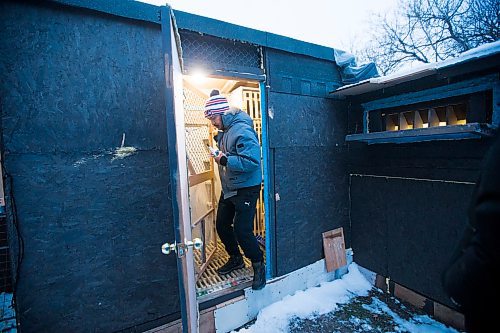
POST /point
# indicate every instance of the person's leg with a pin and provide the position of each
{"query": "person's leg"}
(245, 203)
(225, 230)
(224, 225)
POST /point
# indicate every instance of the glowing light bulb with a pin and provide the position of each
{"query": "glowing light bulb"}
(199, 76)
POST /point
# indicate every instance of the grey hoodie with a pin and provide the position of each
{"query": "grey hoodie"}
(240, 144)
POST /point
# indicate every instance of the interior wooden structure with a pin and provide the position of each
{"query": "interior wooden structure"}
(204, 183)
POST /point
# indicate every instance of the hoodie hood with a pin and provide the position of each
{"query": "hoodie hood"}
(240, 143)
(233, 116)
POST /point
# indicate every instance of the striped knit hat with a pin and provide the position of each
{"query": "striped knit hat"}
(216, 104)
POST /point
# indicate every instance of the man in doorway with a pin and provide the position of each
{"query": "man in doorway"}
(238, 159)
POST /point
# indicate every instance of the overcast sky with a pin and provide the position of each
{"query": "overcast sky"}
(334, 23)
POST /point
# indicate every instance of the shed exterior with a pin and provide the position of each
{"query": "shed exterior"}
(79, 78)
(410, 190)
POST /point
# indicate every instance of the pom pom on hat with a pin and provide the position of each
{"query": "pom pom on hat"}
(216, 104)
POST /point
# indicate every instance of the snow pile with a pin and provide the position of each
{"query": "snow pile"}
(327, 297)
(311, 302)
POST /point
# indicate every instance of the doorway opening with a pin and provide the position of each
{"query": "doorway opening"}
(204, 182)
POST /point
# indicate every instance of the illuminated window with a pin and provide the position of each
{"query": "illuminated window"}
(423, 116)
(452, 114)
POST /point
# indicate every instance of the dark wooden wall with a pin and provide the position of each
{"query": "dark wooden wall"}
(308, 157)
(409, 205)
(73, 81)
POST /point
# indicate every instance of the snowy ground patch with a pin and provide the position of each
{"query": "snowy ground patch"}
(310, 302)
(342, 305)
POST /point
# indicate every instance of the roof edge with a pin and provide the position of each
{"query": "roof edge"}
(222, 29)
(124, 8)
(424, 70)
(151, 13)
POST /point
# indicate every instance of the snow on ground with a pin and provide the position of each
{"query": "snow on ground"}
(417, 324)
(326, 298)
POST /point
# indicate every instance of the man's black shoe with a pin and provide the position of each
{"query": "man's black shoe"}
(259, 275)
(234, 262)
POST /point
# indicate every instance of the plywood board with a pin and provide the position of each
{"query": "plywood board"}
(334, 247)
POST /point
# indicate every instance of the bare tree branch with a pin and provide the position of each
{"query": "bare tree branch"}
(431, 29)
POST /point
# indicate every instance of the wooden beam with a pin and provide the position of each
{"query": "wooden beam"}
(191, 169)
(200, 178)
(450, 90)
(204, 266)
(472, 130)
(202, 217)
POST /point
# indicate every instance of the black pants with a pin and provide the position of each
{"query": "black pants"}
(235, 223)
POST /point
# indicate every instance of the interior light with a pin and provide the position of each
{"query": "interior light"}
(425, 125)
(199, 76)
(442, 123)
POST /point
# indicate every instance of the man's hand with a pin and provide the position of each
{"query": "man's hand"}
(221, 158)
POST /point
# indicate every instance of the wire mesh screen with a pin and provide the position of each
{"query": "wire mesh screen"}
(209, 50)
(197, 130)
(196, 141)
(194, 107)
(201, 192)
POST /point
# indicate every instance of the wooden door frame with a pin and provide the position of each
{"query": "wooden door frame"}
(177, 159)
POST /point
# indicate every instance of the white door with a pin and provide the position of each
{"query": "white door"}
(183, 245)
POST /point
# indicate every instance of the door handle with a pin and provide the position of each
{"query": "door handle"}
(181, 248)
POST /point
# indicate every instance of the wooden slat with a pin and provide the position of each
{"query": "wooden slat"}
(334, 247)
(202, 217)
(200, 178)
(204, 266)
(472, 130)
(191, 169)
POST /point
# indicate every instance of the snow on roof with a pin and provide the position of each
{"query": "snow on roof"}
(367, 85)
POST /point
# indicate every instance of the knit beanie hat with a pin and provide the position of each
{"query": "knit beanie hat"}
(216, 104)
